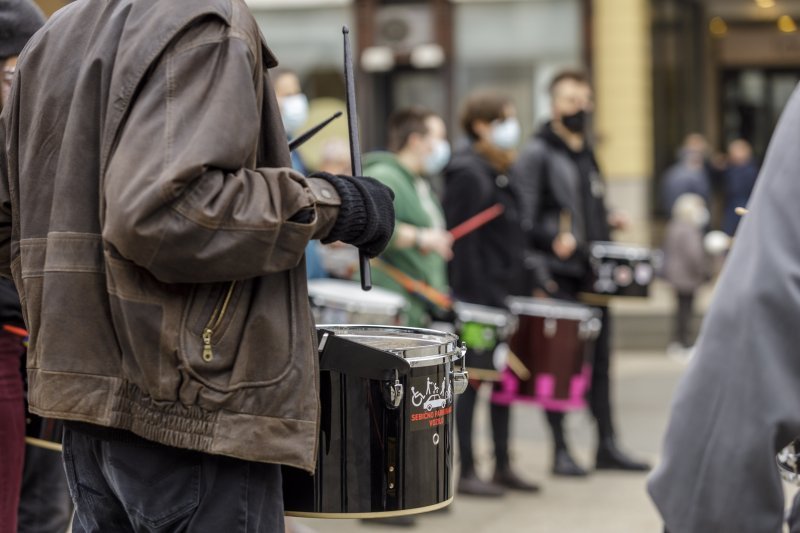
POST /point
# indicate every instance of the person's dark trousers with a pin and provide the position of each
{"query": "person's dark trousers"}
(500, 420)
(133, 485)
(12, 430)
(465, 409)
(44, 505)
(501, 427)
(793, 520)
(568, 289)
(683, 317)
(599, 395)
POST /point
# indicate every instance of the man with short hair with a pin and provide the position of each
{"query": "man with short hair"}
(557, 173)
(155, 232)
(421, 245)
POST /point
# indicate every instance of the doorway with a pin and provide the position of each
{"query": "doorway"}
(751, 102)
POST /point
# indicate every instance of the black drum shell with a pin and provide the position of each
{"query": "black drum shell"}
(374, 459)
(621, 270)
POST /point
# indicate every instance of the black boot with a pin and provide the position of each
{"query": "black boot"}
(506, 477)
(610, 457)
(472, 485)
(565, 465)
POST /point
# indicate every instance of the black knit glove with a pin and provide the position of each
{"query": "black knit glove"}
(366, 216)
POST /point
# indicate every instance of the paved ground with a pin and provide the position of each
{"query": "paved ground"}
(604, 503)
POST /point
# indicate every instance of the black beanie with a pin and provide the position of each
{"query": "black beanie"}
(19, 20)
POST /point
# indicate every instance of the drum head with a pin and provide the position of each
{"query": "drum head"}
(481, 314)
(420, 347)
(348, 295)
(551, 308)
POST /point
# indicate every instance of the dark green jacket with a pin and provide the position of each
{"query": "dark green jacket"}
(429, 268)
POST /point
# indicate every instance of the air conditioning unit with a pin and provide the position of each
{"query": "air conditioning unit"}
(404, 27)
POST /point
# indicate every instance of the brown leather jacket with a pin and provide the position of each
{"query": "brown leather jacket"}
(145, 216)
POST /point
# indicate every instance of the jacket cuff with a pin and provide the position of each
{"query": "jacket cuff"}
(326, 202)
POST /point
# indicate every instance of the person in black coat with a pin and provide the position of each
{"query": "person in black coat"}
(487, 264)
(559, 181)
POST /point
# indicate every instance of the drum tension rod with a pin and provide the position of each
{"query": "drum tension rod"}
(396, 391)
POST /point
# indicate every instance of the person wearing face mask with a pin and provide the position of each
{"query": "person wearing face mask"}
(689, 174)
(421, 245)
(487, 264)
(293, 105)
(294, 108)
(559, 181)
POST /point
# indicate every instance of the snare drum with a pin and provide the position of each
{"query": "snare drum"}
(335, 301)
(621, 269)
(550, 360)
(482, 328)
(386, 428)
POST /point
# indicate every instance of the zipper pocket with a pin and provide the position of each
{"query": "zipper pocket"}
(214, 322)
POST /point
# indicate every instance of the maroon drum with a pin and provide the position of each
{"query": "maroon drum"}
(549, 362)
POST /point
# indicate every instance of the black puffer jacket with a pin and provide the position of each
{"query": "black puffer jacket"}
(487, 264)
(553, 180)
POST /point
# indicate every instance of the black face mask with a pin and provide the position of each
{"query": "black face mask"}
(575, 123)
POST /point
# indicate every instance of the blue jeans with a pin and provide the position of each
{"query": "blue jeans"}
(134, 485)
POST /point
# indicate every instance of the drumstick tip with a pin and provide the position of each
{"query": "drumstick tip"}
(345, 29)
(741, 211)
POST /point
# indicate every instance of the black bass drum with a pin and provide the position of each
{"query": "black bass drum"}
(386, 425)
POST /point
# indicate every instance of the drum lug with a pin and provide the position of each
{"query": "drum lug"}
(550, 327)
(460, 381)
(394, 392)
(460, 375)
(590, 329)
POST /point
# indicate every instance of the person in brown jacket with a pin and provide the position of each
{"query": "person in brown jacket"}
(155, 231)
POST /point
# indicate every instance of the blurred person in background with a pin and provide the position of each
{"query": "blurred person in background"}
(335, 156)
(737, 404)
(686, 264)
(739, 178)
(421, 245)
(557, 173)
(293, 104)
(38, 501)
(689, 174)
(487, 264)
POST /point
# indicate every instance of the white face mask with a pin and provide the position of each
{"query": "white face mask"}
(438, 158)
(505, 135)
(294, 112)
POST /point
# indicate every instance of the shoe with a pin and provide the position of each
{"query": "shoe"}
(610, 457)
(565, 465)
(505, 477)
(474, 486)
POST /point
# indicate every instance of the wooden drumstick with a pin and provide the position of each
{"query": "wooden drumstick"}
(565, 221)
(741, 211)
(416, 286)
(518, 367)
(477, 221)
(41, 443)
